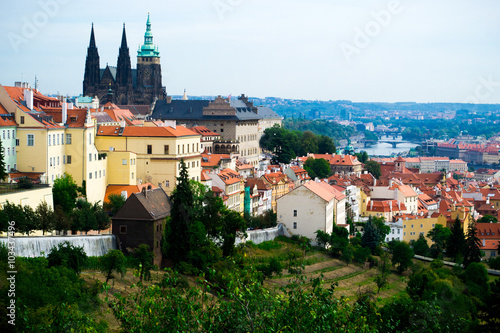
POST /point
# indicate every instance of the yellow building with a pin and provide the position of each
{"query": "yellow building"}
(414, 226)
(279, 184)
(158, 153)
(54, 138)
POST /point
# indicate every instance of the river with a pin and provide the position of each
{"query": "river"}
(386, 149)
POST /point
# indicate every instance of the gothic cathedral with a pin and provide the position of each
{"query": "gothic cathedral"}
(123, 85)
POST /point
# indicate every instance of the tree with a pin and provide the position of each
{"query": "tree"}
(67, 255)
(370, 238)
(64, 191)
(84, 218)
(232, 223)
(113, 261)
(181, 224)
(115, 202)
(326, 145)
(487, 219)
(472, 248)
(420, 246)
(143, 261)
(318, 167)
(384, 269)
(373, 168)
(45, 216)
(382, 229)
(3, 173)
(439, 235)
(62, 221)
(30, 220)
(348, 254)
(402, 256)
(455, 246)
(102, 218)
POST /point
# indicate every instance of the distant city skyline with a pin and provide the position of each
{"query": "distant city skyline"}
(363, 51)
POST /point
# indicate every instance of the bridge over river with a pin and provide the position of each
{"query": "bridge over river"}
(387, 145)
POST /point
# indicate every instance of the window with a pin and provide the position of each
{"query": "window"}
(399, 231)
(68, 139)
(17, 142)
(132, 175)
(8, 151)
(295, 213)
(22, 119)
(53, 139)
(165, 149)
(150, 149)
(50, 161)
(124, 161)
(123, 229)
(90, 175)
(183, 149)
(90, 138)
(295, 225)
(3, 134)
(64, 159)
(90, 157)
(100, 174)
(95, 174)
(167, 183)
(57, 135)
(57, 160)
(193, 164)
(493, 253)
(68, 159)
(421, 226)
(412, 225)
(50, 136)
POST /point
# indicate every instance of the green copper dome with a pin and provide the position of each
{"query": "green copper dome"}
(148, 49)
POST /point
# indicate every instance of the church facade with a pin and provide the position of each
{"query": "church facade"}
(123, 85)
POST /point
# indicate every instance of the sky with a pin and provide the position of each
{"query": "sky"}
(359, 50)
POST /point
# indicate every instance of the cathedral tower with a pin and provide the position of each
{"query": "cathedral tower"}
(148, 69)
(124, 93)
(92, 73)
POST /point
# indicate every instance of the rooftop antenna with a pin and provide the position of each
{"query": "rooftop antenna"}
(36, 83)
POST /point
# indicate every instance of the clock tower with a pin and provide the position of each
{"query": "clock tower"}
(149, 84)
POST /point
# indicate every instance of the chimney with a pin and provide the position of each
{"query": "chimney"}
(64, 112)
(371, 205)
(124, 195)
(484, 242)
(144, 192)
(28, 98)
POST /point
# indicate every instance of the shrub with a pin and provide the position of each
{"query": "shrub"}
(67, 255)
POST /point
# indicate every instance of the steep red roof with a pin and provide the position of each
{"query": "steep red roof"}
(134, 131)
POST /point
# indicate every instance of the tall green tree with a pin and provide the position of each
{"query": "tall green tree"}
(326, 145)
(420, 246)
(64, 191)
(103, 220)
(67, 255)
(45, 216)
(455, 246)
(439, 235)
(383, 230)
(373, 168)
(472, 248)
(177, 232)
(370, 238)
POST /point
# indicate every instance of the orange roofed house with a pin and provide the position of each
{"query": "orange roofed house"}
(231, 186)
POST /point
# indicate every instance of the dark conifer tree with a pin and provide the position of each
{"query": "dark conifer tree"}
(370, 238)
(455, 247)
(472, 249)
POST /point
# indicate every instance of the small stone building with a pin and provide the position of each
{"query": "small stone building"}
(141, 220)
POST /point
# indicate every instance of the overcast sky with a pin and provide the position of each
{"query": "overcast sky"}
(360, 50)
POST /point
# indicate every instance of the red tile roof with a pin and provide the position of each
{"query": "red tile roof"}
(135, 131)
(324, 191)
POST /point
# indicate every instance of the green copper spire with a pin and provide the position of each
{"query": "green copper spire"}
(148, 49)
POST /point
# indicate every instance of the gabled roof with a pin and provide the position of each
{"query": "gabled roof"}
(204, 131)
(149, 205)
(324, 191)
(229, 176)
(261, 185)
(211, 160)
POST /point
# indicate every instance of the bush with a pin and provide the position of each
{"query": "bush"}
(68, 256)
(494, 263)
(360, 254)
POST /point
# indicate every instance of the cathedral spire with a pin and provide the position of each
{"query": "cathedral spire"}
(92, 38)
(124, 38)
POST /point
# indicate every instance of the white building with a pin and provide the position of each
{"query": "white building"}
(311, 207)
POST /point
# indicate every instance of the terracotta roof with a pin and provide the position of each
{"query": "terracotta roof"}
(229, 176)
(385, 206)
(76, 117)
(204, 177)
(6, 119)
(134, 131)
(211, 160)
(204, 131)
(130, 189)
(324, 191)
